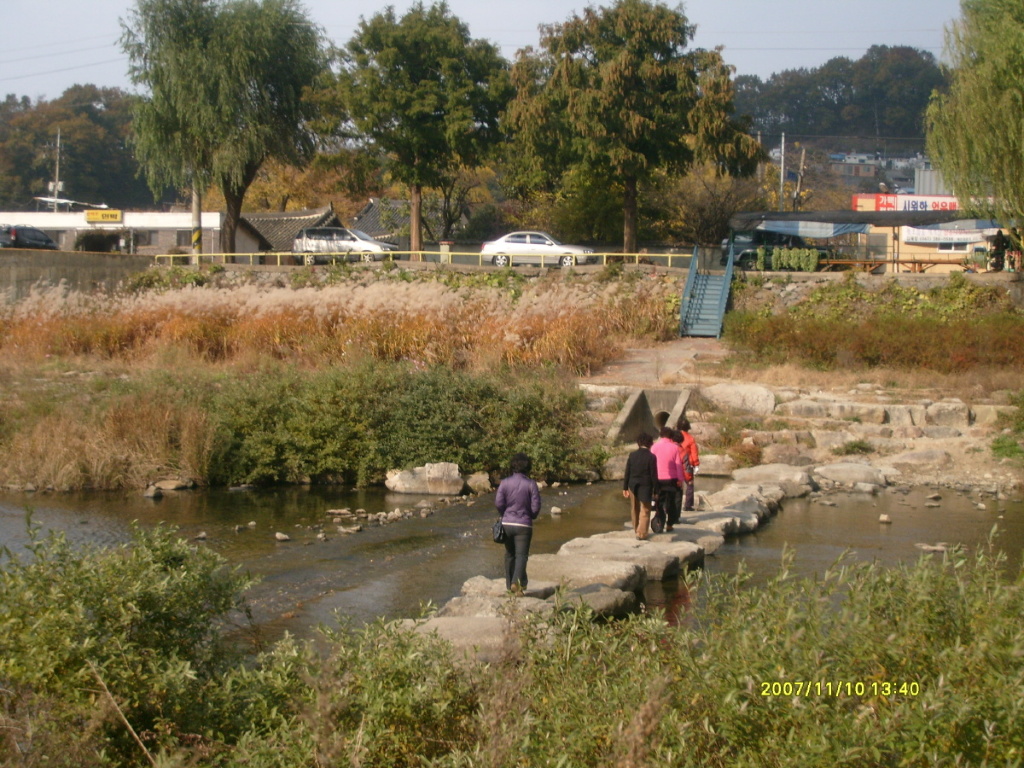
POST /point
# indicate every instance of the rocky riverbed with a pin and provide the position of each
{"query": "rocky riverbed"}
(808, 442)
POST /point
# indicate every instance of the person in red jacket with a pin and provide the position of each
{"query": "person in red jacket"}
(690, 458)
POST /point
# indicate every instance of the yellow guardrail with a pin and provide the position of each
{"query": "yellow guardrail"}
(470, 258)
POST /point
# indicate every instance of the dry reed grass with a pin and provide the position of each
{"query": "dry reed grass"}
(123, 446)
(574, 325)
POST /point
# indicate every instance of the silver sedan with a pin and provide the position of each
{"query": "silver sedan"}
(535, 248)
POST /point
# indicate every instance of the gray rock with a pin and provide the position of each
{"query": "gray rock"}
(714, 465)
(577, 571)
(949, 413)
(804, 409)
(794, 481)
(657, 565)
(748, 398)
(849, 473)
(481, 586)
(481, 605)
(736, 498)
(173, 485)
(687, 542)
(479, 482)
(614, 468)
(989, 415)
(441, 479)
(474, 638)
(719, 522)
(937, 458)
(606, 602)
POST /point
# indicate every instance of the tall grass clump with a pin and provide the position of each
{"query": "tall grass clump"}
(954, 329)
(916, 665)
(460, 322)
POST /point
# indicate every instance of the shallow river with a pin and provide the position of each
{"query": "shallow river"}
(392, 570)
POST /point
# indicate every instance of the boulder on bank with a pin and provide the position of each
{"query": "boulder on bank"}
(748, 398)
(850, 473)
(794, 481)
(441, 479)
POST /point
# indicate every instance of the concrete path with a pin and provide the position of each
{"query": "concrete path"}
(670, 362)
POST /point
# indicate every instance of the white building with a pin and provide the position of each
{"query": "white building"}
(145, 232)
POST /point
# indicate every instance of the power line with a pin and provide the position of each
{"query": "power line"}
(62, 69)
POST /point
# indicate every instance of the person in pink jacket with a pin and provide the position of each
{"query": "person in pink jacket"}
(670, 480)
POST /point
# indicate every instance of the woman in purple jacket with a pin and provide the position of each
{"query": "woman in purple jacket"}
(518, 503)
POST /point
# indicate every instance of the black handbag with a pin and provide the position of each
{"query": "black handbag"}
(498, 532)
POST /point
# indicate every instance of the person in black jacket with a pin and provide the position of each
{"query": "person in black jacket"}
(639, 483)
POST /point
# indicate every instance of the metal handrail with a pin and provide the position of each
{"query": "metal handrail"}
(288, 258)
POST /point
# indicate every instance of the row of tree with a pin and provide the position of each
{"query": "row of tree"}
(612, 110)
(882, 95)
(614, 95)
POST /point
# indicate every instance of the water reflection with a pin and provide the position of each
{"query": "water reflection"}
(392, 571)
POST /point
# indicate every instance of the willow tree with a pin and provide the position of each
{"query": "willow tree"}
(224, 86)
(422, 96)
(976, 128)
(615, 94)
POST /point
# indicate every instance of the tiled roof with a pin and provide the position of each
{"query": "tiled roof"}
(383, 219)
(280, 229)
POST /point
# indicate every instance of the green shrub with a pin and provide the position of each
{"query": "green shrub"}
(853, 447)
(914, 665)
(143, 618)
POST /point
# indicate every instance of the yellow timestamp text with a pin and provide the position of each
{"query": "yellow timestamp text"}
(839, 688)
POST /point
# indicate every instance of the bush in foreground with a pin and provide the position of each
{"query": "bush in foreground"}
(919, 665)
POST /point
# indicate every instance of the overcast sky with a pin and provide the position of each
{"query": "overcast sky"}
(50, 45)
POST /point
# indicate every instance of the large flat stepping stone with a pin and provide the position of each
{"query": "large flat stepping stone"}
(482, 605)
(484, 587)
(578, 571)
(657, 564)
(479, 638)
(707, 541)
(605, 602)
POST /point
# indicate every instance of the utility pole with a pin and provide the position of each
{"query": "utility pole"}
(197, 223)
(782, 175)
(55, 186)
(799, 179)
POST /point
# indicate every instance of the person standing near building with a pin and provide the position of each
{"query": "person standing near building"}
(670, 478)
(639, 484)
(690, 458)
(518, 503)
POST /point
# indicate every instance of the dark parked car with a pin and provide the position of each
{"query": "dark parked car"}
(25, 237)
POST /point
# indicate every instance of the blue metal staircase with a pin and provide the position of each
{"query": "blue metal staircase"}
(704, 299)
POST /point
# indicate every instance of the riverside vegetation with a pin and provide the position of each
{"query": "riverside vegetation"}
(121, 657)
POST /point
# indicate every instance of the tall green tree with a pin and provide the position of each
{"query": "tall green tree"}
(615, 94)
(225, 84)
(976, 127)
(421, 96)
